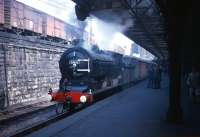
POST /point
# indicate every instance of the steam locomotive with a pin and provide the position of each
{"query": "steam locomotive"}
(87, 72)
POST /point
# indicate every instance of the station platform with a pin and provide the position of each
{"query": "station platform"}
(135, 112)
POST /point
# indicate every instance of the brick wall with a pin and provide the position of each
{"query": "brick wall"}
(31, 67)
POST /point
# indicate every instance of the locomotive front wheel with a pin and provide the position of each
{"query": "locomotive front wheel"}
(59, 108)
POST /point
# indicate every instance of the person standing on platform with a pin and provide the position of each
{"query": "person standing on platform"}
(150, 77)
(158, 73)
(193, 81)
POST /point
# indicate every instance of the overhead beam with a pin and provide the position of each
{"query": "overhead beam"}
(126, 4)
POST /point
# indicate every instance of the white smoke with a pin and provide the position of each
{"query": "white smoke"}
(104, 31)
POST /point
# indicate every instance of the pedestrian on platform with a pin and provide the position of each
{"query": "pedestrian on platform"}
(158, 74)
(193, 81)
(150, 77)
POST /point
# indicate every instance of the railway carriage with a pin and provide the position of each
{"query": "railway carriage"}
(26, 20)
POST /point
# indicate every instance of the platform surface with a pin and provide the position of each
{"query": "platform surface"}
(135, 112)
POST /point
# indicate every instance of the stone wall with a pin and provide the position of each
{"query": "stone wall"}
(28, 68)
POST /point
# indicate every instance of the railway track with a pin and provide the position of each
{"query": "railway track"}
(42, 124)
(34, 127)
(97, 97)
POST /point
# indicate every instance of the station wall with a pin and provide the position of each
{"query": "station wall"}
(28, 68)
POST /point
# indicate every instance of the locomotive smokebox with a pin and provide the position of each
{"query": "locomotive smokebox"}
(79, 63)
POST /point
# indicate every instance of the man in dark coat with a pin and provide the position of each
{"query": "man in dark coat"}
(158, 73)
(150, 77)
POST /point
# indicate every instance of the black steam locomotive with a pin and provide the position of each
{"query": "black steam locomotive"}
(87, 72)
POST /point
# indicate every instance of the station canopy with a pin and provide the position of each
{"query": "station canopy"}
(143, 19)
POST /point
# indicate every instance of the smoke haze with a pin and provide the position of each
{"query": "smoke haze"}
(104, 31)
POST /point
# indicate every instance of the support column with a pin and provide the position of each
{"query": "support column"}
(175, 36)
(174, 111)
